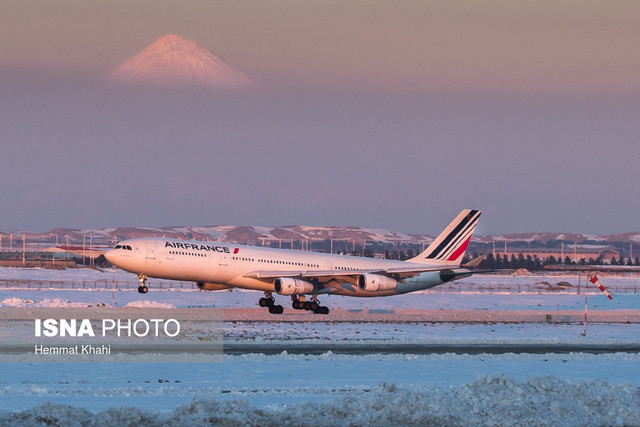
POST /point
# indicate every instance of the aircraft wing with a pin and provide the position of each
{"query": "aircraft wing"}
(274, 274)
(398, 273)
(326, 276)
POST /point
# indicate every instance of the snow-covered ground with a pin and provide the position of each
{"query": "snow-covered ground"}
(340, 389)
(333, 390)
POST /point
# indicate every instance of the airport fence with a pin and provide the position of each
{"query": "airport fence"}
(455, 287)
(533, 288)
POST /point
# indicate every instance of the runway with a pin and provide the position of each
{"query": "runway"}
(436, 316)
(424, 349)
(261, 315)
(351, 348)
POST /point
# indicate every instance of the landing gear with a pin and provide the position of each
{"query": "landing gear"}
(300, 303)
(297, 302)
(266, 302)
(270, 302)
(143, 284)
(276, 309)
(322, 310)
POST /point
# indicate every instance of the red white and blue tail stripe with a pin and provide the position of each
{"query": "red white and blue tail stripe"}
(449, 247)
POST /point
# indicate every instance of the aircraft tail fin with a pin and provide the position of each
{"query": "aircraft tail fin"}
(449, 247)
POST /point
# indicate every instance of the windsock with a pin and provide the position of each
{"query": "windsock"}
(595, 281)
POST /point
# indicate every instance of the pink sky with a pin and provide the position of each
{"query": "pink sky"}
(379, 114)
(485, 46)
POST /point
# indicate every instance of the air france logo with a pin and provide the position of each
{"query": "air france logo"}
(197, 247)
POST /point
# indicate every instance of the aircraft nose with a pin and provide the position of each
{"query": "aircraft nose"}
(110, 256)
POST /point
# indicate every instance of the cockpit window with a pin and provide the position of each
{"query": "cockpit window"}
(127, 247)
(118, 247)
(124, 247)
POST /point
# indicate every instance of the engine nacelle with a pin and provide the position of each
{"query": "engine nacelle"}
(290, 286)
(212, 286)
(375, 282)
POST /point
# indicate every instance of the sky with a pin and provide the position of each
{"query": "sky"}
(371, 113)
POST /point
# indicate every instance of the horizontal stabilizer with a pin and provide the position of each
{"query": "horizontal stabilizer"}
(475, 262)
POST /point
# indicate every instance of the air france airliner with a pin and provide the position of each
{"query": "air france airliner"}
(304, 276)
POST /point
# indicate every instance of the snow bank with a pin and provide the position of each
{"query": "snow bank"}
(58, 302)
(149, 304)
(490, 400)
(15, 302)
(45, 303)
(64, 303)
(522, 272)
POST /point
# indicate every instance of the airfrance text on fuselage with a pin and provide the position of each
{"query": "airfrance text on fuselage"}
(193, 246)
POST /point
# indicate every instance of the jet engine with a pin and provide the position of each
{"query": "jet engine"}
(375, 282)
(290, 286)
(212, 286)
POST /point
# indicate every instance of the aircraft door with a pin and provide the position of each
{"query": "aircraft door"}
(151, 251)
(223, 260)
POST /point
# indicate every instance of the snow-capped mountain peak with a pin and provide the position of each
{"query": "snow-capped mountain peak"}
(174, 60)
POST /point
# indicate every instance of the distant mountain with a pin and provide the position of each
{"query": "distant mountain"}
(252, 235)
(284, 235)
(172, 60)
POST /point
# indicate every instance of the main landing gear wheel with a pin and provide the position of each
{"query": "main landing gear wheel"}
(270, 302)
(276, 309)
(143, 284)
(321, 310)
(266, 302)
(298, 303)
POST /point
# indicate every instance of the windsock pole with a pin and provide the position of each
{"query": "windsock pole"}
(586, 293)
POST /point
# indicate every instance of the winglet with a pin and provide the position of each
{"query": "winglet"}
(449, 247)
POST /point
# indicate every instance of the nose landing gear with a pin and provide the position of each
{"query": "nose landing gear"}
(143, 284)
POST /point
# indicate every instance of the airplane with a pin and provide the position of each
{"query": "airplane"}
(298, 274)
